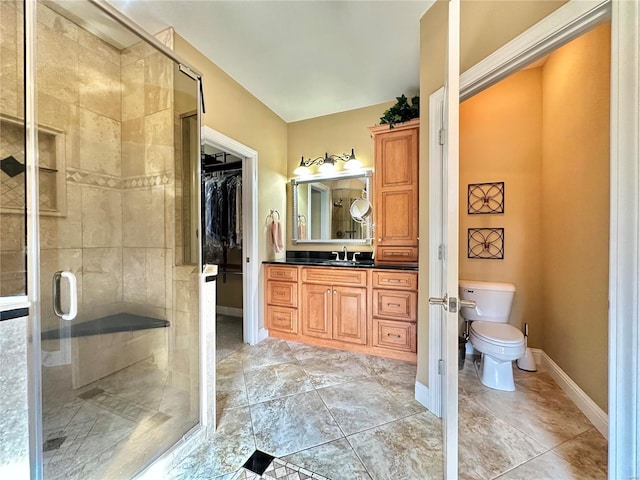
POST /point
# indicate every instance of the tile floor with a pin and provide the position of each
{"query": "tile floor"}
(347, 416)
(113, 427)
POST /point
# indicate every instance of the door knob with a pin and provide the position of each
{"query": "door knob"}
(443, 302)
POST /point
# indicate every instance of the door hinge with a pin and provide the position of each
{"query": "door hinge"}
(440, 367)
(440, 252)
(247, 259)
(441, 136)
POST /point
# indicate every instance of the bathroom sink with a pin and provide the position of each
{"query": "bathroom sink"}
(349, 263)
(344, 263)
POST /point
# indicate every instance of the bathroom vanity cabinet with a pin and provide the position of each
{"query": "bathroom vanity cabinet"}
(367, 310)
(396, 192)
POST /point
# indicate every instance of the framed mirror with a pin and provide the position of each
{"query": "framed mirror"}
(322, 209)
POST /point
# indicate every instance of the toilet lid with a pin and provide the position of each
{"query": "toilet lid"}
(502, 332)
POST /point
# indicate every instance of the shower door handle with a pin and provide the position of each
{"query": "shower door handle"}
(73, 295)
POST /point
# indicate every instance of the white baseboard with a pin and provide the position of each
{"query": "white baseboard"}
(231, 311)
(422, 395)
(262, 334)
(587, 406)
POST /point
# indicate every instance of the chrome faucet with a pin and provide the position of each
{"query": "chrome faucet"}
(336, 254)
(344, 249)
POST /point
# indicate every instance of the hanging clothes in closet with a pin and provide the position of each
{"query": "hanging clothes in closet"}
(222, 213)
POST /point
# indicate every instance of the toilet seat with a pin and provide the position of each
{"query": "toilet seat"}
(499, 340)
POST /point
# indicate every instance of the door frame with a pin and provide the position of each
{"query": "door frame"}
(560, 27)
(250, 277)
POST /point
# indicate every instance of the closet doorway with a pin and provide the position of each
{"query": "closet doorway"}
(221, 174)
(228, 179)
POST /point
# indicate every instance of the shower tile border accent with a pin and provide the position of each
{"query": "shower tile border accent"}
(83, 177)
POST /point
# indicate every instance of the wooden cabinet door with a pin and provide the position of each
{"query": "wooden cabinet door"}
(396, 190)
(397, 150)
(397, 222)
(350, 314)
(315, 314)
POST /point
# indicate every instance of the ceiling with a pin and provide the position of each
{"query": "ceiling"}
(302, 59)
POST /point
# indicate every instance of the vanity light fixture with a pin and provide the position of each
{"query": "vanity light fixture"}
(327, 164)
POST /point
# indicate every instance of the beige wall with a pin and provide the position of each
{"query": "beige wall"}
(485, 27)
(501, 141)
(575, 210)
(334, 134)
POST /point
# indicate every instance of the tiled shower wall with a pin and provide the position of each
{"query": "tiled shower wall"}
(117, 114)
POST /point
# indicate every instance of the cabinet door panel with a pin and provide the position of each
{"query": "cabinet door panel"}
(398, 218)
(398, 149)
(316, 310)
(350, 314)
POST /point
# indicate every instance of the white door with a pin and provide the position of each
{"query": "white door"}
(448, 250)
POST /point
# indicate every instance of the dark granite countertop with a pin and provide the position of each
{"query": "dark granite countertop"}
(326, 259)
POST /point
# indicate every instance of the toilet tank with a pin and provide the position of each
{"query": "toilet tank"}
(493, 300)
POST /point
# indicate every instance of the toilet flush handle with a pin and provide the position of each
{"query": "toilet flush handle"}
(467, 304)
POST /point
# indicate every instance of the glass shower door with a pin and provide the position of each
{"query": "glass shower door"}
(119, 312)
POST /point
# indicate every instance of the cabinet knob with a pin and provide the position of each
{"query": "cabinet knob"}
(328, 290)
(334, 292)
(379, 239)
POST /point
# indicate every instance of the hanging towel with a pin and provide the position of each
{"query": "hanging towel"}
(302, 229)
(276, 235)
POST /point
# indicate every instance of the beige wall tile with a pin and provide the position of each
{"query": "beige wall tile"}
(57, 23)
(98, 47)
(10, 52)
(12, 234)
(157, 158)
(158, 80)
(133, 266)
(101, 217)
(102, 276)
(158, 128)
(133, 147)
(143, 217)
(61, 115)
(132, 76)
(155, 276)
(100, 143)
(56, 64)
(134, 53)
(99, 84)
(66, 231)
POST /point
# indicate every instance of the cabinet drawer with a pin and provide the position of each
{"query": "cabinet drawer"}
(394, 279)
(335, 276)
(396, 254)
(284, 294)
(394, 335)
(282, 272)
(395, 304)
(282, 319)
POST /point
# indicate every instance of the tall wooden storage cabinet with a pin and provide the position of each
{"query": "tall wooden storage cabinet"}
(396, 192)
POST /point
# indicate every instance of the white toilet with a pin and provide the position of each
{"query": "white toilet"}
(489, 332)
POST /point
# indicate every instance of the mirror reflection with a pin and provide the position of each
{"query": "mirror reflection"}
(323, 205)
